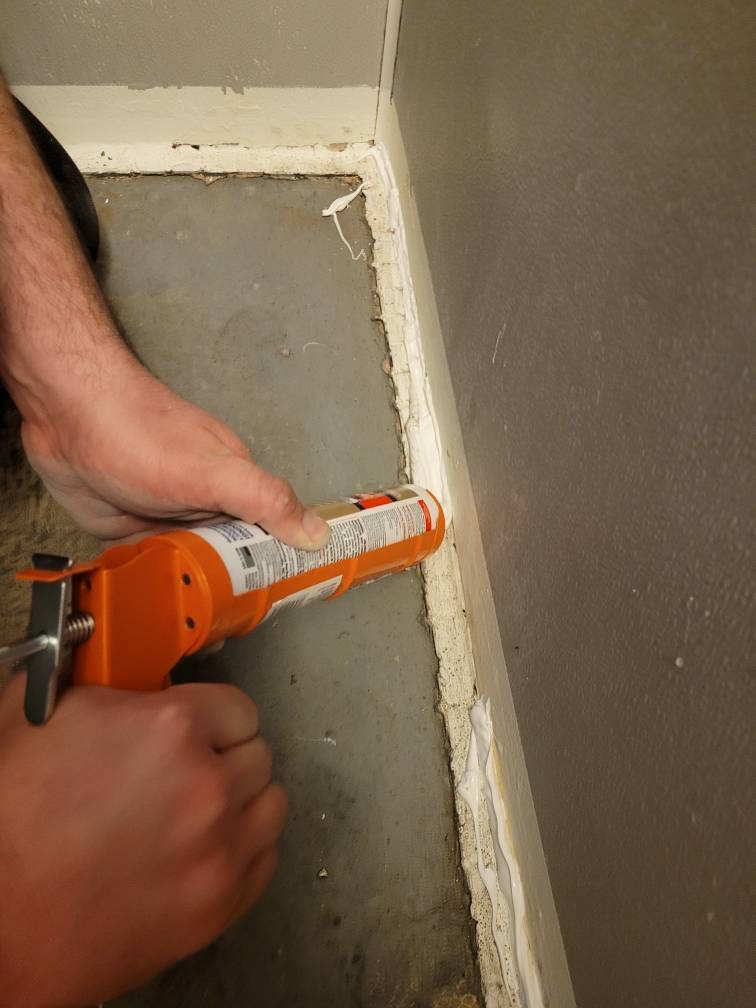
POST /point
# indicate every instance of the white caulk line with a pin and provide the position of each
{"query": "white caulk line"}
(414, 402)
(505, 882)
(469, 789)
(339, 204)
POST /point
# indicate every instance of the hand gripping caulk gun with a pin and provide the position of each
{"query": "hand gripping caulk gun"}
(127, 617)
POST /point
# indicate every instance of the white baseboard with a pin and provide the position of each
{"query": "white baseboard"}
(543, 932)
(256, 117)
(216, 159)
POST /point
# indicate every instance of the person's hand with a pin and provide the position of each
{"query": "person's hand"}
(124, 454)
(117, 448)
(134, 827)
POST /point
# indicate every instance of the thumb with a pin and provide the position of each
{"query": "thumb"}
(238, 487)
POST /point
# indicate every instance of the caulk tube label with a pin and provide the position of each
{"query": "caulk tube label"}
(359, 524)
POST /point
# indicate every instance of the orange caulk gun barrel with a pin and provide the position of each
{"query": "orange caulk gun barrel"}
(156, 601)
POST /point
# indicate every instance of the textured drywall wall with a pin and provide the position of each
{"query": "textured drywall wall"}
(584, 177)
(169, 43)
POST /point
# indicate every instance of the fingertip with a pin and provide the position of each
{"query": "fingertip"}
(224, 713)
(289, 520)
(316, 529)
(310, 533)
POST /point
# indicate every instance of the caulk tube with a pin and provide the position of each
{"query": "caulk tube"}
(251, 576)
(175, 593)
(153, 602)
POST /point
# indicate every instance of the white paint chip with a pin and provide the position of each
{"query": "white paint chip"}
(316, 343)
(338, 206)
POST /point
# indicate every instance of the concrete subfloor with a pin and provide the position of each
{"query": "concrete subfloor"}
(241, 296)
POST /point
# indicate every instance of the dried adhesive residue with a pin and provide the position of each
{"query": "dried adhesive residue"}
(508, 973)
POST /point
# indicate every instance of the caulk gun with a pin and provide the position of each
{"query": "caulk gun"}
(127, 617)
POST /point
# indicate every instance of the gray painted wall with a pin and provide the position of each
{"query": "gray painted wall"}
(160, 43)
(585, 181)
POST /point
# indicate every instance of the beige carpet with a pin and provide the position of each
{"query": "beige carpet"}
(32, 523)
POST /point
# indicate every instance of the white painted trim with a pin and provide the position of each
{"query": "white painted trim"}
(256, 117)
(544, 939)
(216, 159)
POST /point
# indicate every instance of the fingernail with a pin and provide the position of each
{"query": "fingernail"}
(317, 530)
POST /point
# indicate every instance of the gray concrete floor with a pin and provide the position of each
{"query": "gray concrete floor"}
(240, 295)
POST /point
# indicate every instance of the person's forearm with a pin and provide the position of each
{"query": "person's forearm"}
(56, 333)
(117, 448)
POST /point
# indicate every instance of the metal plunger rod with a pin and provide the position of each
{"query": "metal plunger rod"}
(12, 653)
(79, 627)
